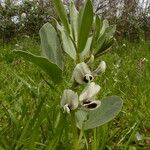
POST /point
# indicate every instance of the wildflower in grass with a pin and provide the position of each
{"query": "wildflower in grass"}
(82, 73)
(69, 100)
(123, 45)
(23, 15)
(141, 64)
(87, 97)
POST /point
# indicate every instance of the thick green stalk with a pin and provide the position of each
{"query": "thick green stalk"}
(78, 59)
(80, 137)
(74, 131)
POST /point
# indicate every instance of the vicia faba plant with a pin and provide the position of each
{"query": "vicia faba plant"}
(84, 37)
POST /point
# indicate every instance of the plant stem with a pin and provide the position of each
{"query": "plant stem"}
(78, 58)
(86, 142)
(75, 131)
(80, 137)
(94, 144)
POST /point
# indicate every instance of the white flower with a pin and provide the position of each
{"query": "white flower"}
(87, 97)
(23, 15)
(82, 73)
(100, 69)
(69, 100)
(123, 45)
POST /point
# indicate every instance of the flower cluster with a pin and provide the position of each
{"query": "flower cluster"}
(82, 74)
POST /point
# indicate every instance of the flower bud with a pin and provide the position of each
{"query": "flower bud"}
(91, 60)
(100, 69)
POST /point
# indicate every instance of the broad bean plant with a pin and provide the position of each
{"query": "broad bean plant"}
(84, 37)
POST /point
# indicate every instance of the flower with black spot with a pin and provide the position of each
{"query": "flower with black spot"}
(82, 74)
(87, 97)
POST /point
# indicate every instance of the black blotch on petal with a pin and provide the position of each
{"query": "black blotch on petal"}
(70, 107)
(85, 80)
(91, 77)
(91, 106)
(86, 102)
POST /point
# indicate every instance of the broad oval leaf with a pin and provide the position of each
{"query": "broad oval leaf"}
(98, 26)
(62, 14)
(74, 21)
(50, 68)
(97, 29)
(109, 108)
(50, 45)
(84, 24)
(68, 45)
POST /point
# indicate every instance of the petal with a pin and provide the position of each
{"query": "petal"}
(66, 109)
(93, 105)
(100, 69)
(89, 92)
(80, 71)
(70, 98)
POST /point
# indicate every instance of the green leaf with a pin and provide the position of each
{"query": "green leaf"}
(98, 25)
(84, 24)
(50, 68)
(105, 47)
(110, 31)
(68, 45)
(109, 108)
(101, 36)
(104, 27)
(50, 45)
(99, 43)
(74, 21)
(105, 41)
(61, 13)
(96, 34)
(87, 48)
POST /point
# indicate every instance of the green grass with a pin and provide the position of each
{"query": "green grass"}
(29, 109)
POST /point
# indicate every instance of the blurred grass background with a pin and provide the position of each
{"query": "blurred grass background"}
(29, 108)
